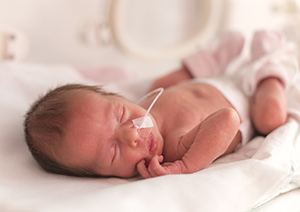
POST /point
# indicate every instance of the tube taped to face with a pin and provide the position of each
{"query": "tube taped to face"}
(145, 121)
(142, 122)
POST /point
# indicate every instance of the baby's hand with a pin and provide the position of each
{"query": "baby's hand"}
(156, 169)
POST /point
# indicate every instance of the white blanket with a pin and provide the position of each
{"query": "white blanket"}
(241, 181)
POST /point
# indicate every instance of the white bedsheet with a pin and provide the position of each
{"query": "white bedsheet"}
(242, 181)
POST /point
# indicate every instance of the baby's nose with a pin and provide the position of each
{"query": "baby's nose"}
(129, 136)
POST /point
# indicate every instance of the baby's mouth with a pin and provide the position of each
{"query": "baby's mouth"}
(152, 143)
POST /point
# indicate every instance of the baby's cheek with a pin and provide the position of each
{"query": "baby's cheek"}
(133, 172)
(130, 165)
(127, 171)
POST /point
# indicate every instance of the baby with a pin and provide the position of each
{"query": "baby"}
(86, 131)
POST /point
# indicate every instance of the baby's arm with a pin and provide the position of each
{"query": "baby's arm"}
(205, 143)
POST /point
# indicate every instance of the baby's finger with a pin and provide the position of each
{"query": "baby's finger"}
(142, 169)
(160, 158)
(155, 169)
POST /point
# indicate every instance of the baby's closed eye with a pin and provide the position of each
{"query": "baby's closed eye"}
(123, 115)
(113, 152)
(120, 113)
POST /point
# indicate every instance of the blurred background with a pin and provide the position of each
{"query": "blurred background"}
(148, 37)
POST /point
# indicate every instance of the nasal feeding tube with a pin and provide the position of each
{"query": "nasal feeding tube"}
(145, 121)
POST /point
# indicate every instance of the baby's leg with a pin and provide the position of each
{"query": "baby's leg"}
(205, 63)
(208, 63)
(268, 106)
(265, 42)
(228, 49)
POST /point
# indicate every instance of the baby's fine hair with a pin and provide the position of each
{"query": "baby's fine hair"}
(44, 127)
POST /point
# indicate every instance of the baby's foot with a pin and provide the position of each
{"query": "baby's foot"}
(264, 42)
(268, 106)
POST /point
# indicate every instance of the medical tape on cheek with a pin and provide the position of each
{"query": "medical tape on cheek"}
(145, 121)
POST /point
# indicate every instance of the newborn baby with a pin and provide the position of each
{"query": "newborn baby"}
(87, 131)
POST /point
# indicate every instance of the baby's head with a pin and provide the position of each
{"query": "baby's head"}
(84, 131)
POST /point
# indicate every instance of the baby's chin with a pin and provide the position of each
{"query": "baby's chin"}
(160, 148)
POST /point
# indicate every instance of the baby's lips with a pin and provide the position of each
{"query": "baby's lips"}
(152, 143)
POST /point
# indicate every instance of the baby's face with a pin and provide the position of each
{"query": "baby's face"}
(102, 137)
